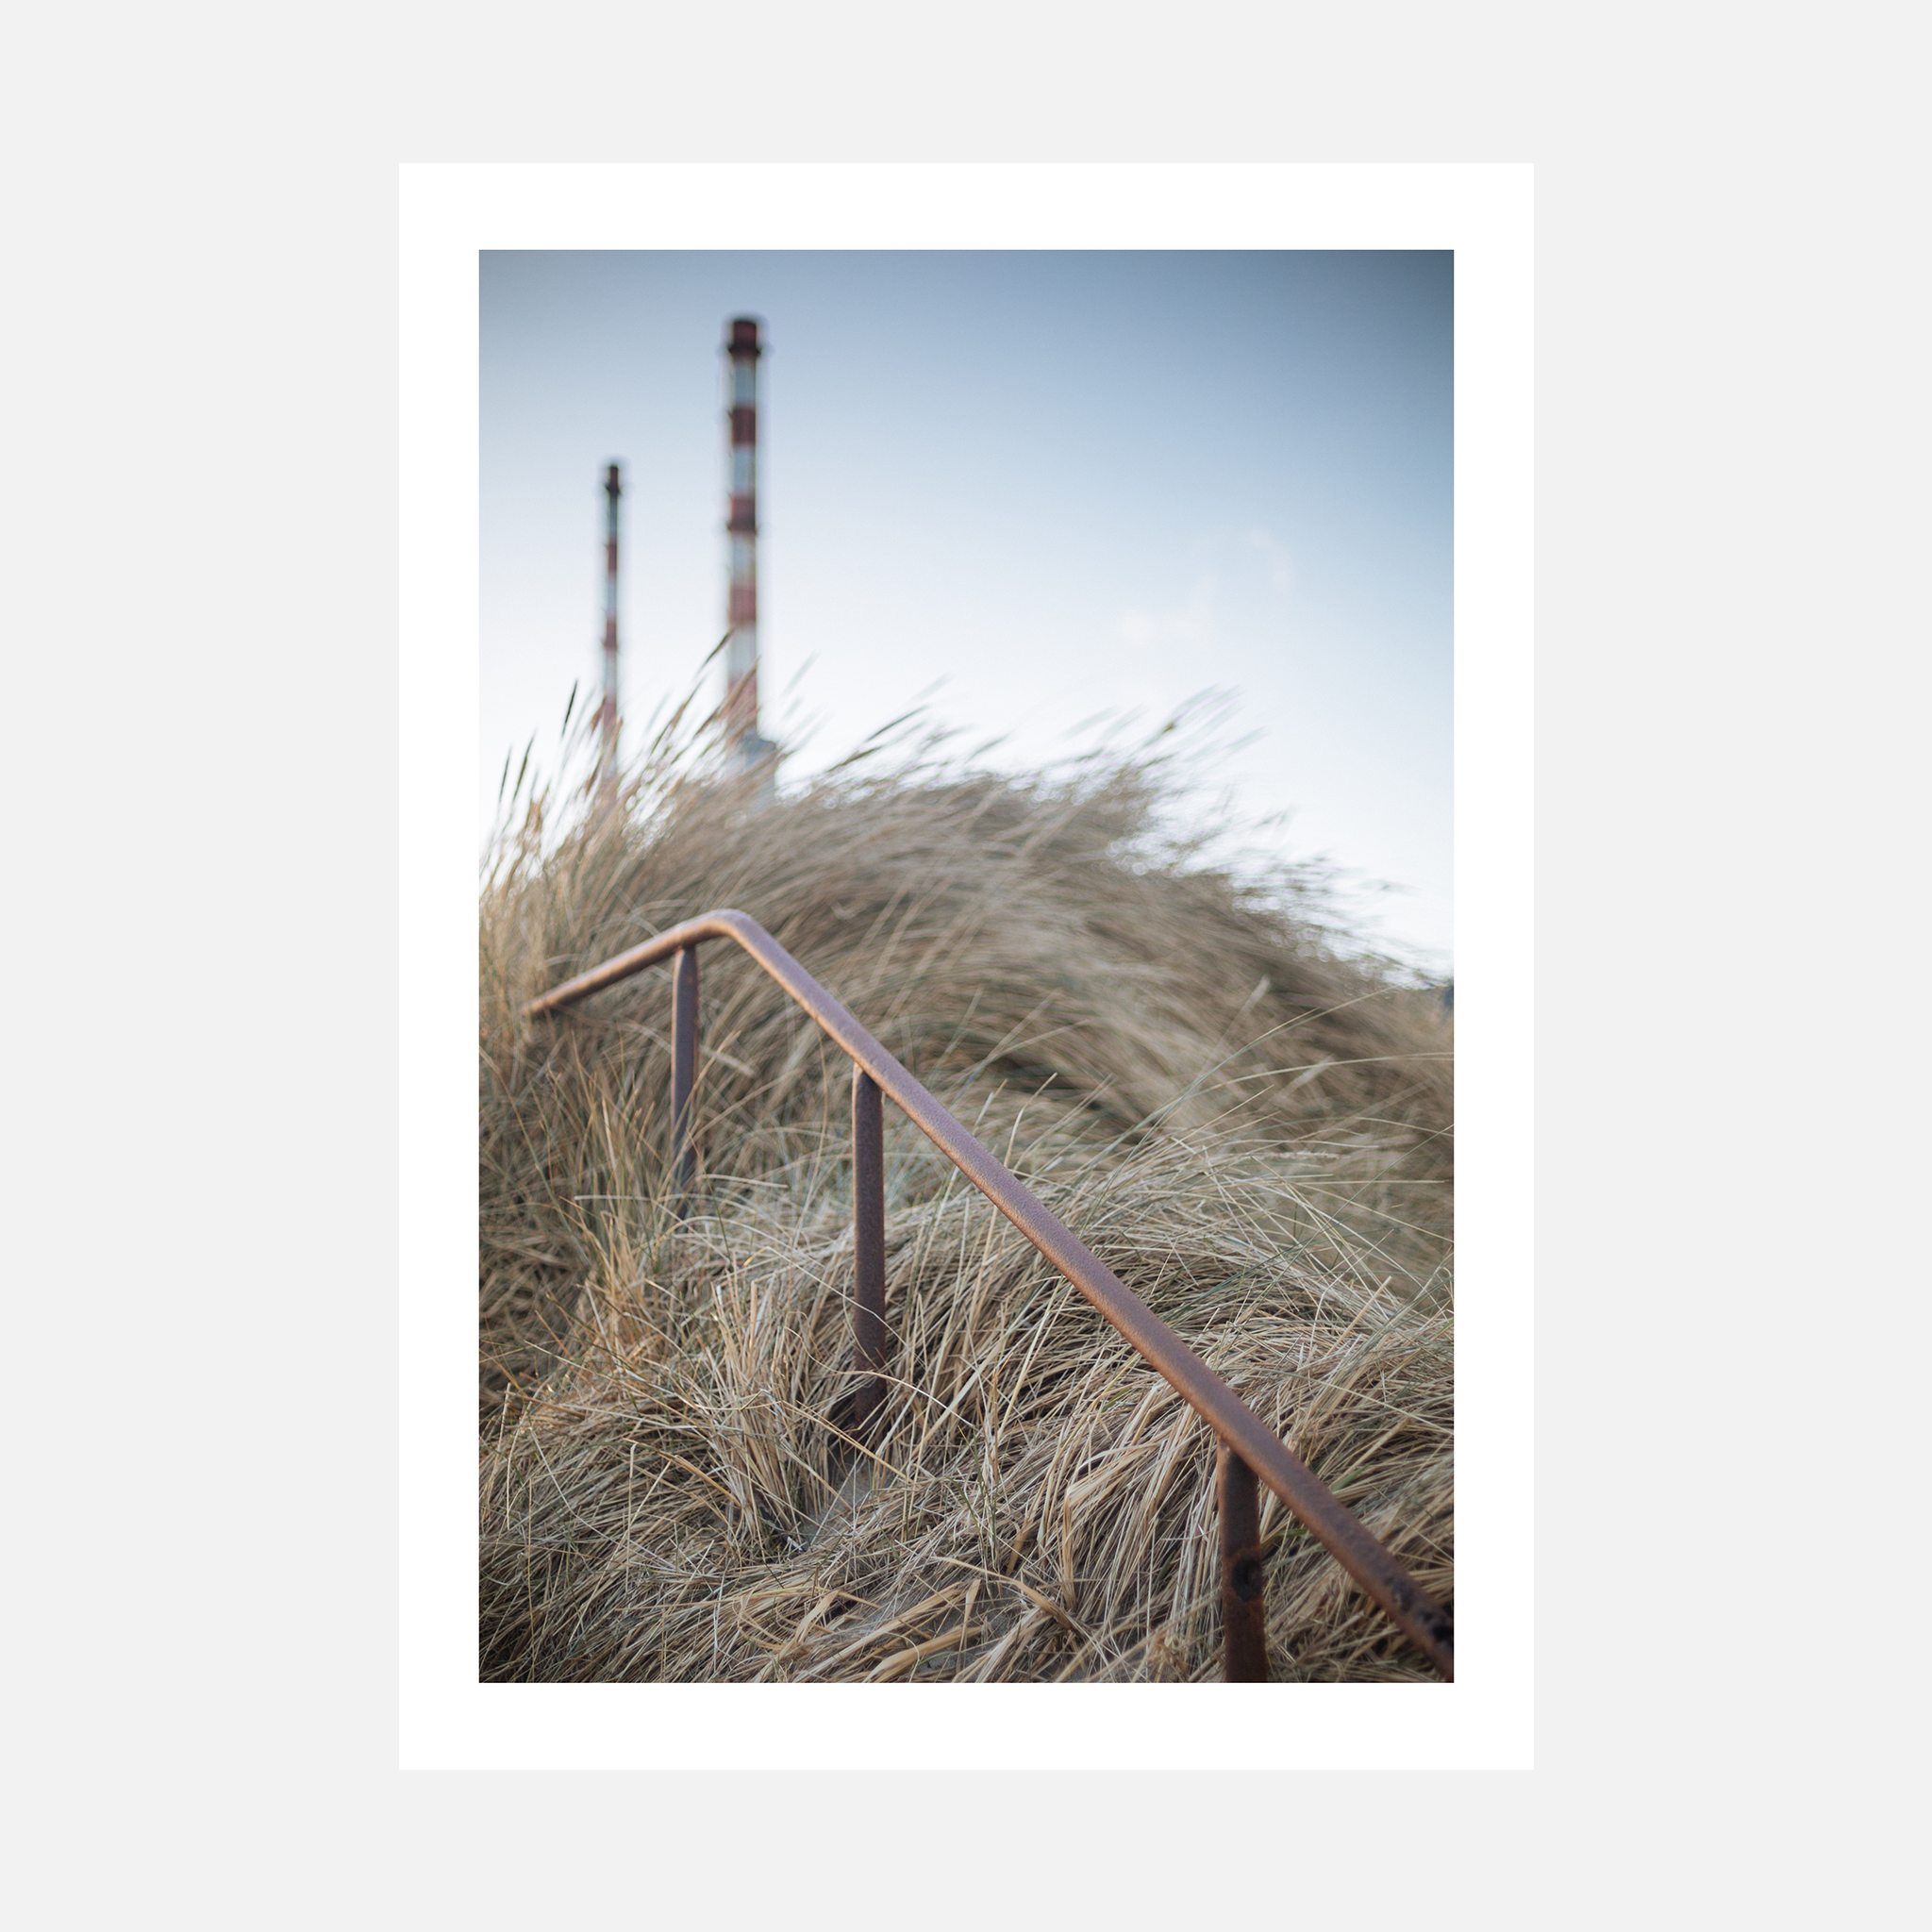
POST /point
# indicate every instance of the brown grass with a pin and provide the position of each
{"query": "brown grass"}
(1249, 1122)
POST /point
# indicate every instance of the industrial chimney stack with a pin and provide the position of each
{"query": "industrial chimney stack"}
(607, 716)
(748, 749)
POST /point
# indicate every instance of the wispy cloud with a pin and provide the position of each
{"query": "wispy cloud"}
(1233, 561)
(1280, 565)
(1192, 625)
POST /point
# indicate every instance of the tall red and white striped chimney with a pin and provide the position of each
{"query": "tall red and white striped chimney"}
(748, 750)
(607, 716)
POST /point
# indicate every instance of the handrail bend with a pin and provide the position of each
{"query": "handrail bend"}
(1245, 1438)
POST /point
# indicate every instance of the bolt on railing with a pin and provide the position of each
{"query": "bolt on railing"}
(1246, 1450)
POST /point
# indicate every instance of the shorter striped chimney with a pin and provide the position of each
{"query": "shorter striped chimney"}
(607, 716)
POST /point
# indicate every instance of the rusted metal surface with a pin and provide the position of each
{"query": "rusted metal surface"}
(1243, 1603)
(869, 1243)
(684, 1065)
(1314, 1504)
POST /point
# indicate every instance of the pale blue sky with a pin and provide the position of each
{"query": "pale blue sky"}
(1062, 482)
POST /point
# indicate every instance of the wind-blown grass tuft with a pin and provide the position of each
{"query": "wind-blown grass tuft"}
(1246, 1119)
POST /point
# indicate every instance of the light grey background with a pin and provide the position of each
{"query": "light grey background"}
(201, 605)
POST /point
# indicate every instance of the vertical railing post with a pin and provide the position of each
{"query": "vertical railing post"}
(869, 1243)
(684, 1066)
(1243, 1601)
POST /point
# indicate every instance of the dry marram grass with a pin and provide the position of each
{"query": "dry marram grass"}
(1248, 1123)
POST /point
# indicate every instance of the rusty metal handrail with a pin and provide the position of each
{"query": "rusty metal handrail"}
(1246, 1446)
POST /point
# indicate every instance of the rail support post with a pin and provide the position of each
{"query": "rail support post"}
(869, 1244)
(1244, 1599)
(684, 1066)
